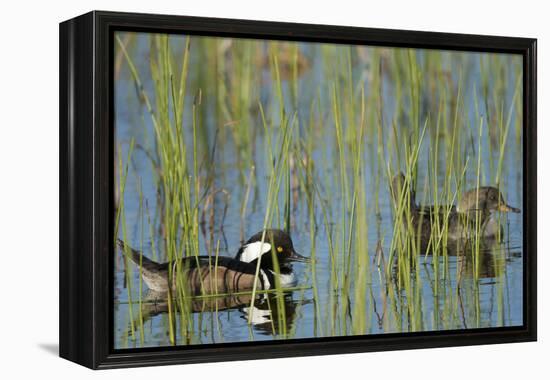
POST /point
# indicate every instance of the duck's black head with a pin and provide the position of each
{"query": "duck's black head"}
(276, 243)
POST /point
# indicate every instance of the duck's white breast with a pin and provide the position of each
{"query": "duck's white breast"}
(287, 280)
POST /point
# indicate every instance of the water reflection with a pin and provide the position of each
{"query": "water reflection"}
(270, 315)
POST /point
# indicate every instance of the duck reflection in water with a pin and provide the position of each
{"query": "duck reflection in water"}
(271, 314)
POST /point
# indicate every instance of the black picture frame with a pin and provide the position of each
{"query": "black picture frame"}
(86, 184)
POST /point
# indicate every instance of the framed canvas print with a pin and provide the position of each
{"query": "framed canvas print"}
(237, 189)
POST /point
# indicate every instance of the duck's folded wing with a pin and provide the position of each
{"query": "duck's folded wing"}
(193, 262)
(432, 210)
(222, 275)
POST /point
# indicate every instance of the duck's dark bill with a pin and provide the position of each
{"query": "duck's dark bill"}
(299, 258)
(508, 208)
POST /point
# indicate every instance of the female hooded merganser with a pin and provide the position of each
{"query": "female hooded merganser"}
(479, 202)
(208, 275)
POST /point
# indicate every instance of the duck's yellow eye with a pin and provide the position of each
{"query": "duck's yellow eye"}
(279, 249)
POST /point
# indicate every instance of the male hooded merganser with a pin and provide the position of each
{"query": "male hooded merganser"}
(461, 219)
(208, 275)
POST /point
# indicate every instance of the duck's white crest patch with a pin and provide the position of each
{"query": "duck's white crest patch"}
(254, 250)
(287, 280)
